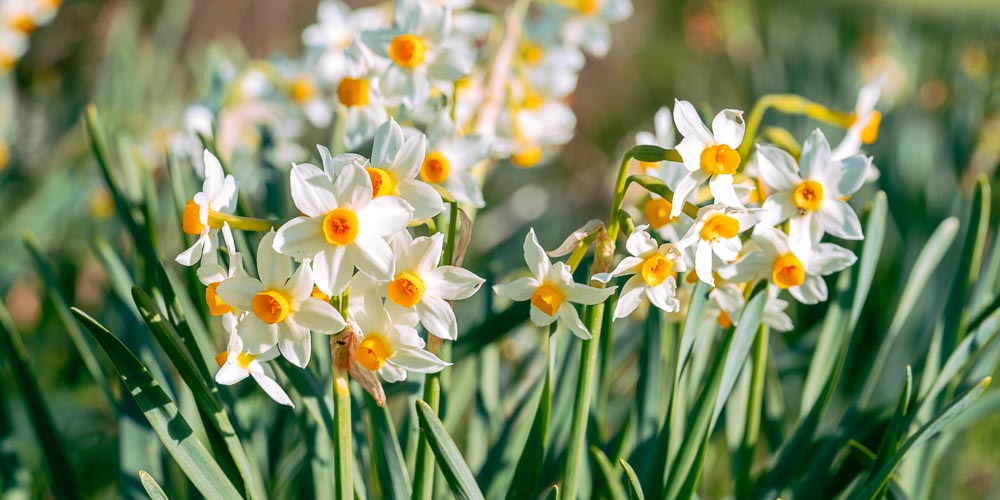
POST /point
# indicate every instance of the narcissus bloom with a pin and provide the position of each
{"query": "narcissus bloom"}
(726, 302)
(422, 287)
(357, 94)
(769, 256)
(586, 23)
(708, 154)
(551, 290)
(396, 163)
(387, 345)
(866, 120)
(235, 364)
(211, 274)
(281, 309)
(811, 193)
(654, 269)
(218, 194)
(448, 160)
(716, 233)
(343, 227)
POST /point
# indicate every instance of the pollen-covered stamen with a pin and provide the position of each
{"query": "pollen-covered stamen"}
(527, 156)
(657, 212)
(407, 289)
(340, 226)
(216, 307)
(655, 270)
(302, 89)
(869, 133)
(720, 160)
(372, 353)
(720, 227)
(271, 306)
(407, 50)
(352, 92)
(787, 271)
(808, 196)
(548, 298)
(383, 183)
(435, 168)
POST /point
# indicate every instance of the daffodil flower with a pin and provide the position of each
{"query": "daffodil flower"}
(534, 124)
(342, 226)
(396, 163)
(422, 287)
(358, 95)
(236, 364)
(420, 50)
(716, 233)
(281, 309)
(708, 154)
(726, 303)
(770, 256)
(448, 160)
(864, 126)
(551, 290)
(552, 67)
(811, 193)
(13, 45)
(211, 274)
(586, 23)
(653, 268)
(386, 345)
(218, 194)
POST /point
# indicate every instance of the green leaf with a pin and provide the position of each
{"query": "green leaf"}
(163, 415)
(961, 356)
(635, 489)
(553, 493)
(938, 424)
(390, 468)
(898, 426)
(529, 466)
(456, 472)
(151, 486)
(928, 260)
(63, 481)
(607, 479)
(957, 310)
(205, 395)
(739, 348)
(836, 332)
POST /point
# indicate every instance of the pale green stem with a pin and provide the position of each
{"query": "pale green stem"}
(343, 454)
(581, 404)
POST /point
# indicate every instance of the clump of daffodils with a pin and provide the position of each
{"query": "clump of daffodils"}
(419, 100)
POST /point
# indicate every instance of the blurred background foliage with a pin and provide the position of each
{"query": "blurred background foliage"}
(143, 62)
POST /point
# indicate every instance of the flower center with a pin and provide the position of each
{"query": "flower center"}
(406, 289)
(788, 271)
(720, 160)
(527, 156)
(353, 92)
(215, 304)
(657, 212)
(271, 306)
(723, 320)
(655, 270)
(407, 50)
(870, 133)
(532, 54)
(382, 182)
(191, 219)
(22, 22)
(808, 196)
(371, 353)
(302, 89)
(588, 6)
(533, 100)
(720, 227)
(435, 168)
(340, 226)
(547, 299)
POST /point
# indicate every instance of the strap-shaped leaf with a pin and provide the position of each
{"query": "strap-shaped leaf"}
(456, 471)
(635, 489)
(390, 467)
(152, 488)
(163, 415)
(607, 477)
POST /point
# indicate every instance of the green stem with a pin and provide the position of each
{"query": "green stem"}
(239, 223)
(621, 185)
(342, 457)
(581, 404)
(448, 255)
(789, 104)
(755, 406)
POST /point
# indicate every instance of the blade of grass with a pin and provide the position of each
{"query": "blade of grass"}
(456, 472)
(152, 488)
(529, 466)
(607, 477)
(635, 489)
(390, 468)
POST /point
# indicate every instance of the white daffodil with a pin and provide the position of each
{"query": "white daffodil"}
(395, 164)
(532, 126)
(586, 23)
(770, 256)
(716, 233)
(336, 28)
(211, 274)
(281, 309)
(342, 226)
(708, 154)
(308, 95)
(864, 127)
(385, 345)
(811, 193)
(552, 290)
(726, 301)
(235, 364)
(13, 45)
(357, 93)
(654, 268)
(218, 194)
(424, 288)
(25, 15)
(449, 158)
(420, 49)
(550, 68)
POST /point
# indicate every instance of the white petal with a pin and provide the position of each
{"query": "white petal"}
(777, 208)
(811, 291)
(388, 141)
(814, 163)
(230, 373)
(407, 162)
(332, 270)
(685, 187)
(721, 187)
(728, 127)
(852, 174)
(417, 360)
(425, 199)
(728, 249)
(831, 258)
(689, 124)
(640, 242)
(703, 262)
(535, 256)
(690, 150)
(588, 295)
(272, 267)
(570, 318)
(238, 291)
(777, 168)
(664, 296)
(630, 297)
(312, 191)
(319, 316)
(628, 265)
(383, 216)
(437, 317)
(452, 283)
(517, 290)
(838, 218)
(373, 256)
(541, 319)
(353, 187)
(272, 389)
(294, 342)
(256, 335)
